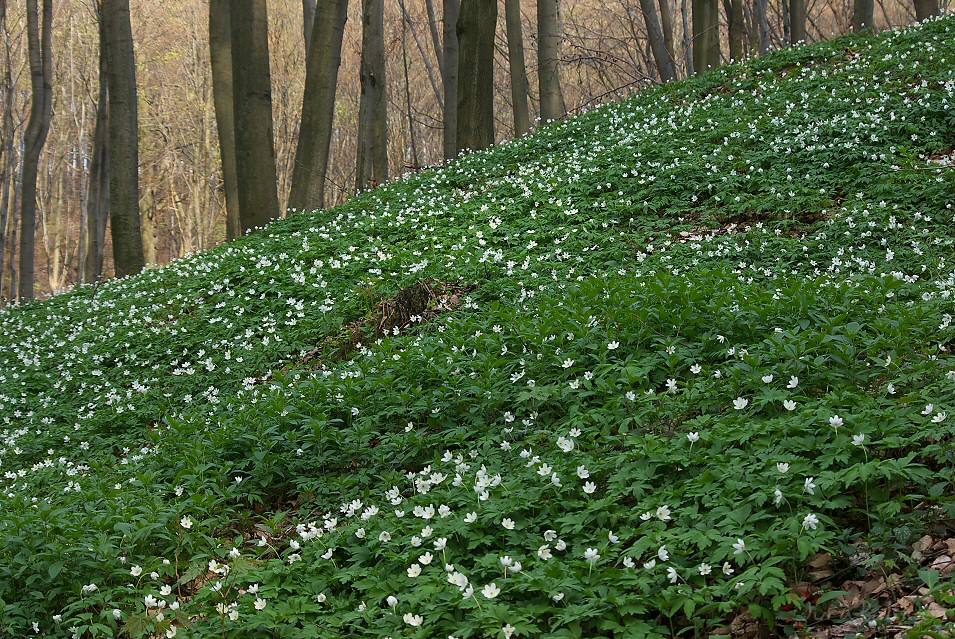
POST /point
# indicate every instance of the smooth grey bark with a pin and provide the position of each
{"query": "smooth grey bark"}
(515, 59)
(125, 223)
(706, 35)
(308, 21)
(666, 25)
(661, 56)
(735, 28)
(863, 15)
(220, 56)
(797, 21)
(415, 164)
(925, 9)
(318, 107)
(548, 60)
(450, 70)
(476, 26)
(435, 38)
(761, 24)
(372, 160)
(7, 129)
(41, 112)
(252, 108)
(97, 188)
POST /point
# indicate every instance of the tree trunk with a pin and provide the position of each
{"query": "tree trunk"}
(548, 60)
(372, 165)
(97, 187)
(655, 34)
(515, 58)
(404, 58)
(318, 108)
(706, 35)
(220, 56)
(123, 140)
(41, 112)
(797, 21)
(476, 25)
(925, 9)
(308, 22)
(735, 28)
(450, 20)
(863, 15)
(7, 132)
(666, 25)
(761, 19)
(435, 38)
(252, 109)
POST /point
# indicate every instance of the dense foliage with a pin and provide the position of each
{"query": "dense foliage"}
(695, 339)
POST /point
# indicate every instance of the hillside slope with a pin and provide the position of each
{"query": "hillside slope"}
(676, 362)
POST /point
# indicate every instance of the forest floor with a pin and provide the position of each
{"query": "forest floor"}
(678, 367)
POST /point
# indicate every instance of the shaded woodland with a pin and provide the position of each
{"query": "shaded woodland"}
(387, 87)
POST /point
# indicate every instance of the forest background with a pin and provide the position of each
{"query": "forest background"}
(604, 54)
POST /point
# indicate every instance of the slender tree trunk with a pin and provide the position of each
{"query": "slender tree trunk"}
(687, 37)
(706, 35)
(318, 108)
(404, 57)
(450, 20)
(797, 21)
(863, 15)
(125, 223)
(761, 13)
(548, 60)
(925, 9)
(435, 37)
(661, 56)
(476, 26)
(97, 187)
(220, 56)
(8, 166)
(515, 58)
(666, 26)
(308, 21)
(252, 109)
(424, 55)
(372, 164)
(41, 112)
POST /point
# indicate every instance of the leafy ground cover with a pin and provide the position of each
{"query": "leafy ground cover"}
(677, 367)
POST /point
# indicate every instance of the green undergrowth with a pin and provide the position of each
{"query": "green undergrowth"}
(697, 338)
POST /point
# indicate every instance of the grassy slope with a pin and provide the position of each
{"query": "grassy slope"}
(771, 221)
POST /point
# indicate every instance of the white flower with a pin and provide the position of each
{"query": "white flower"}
(508, 630)
(939, 418)
(166, 590)
(612, 346)
(809, 487)
(171, 632)
(647, 516)
(392, 601)
(136, 571)
(835, 421)
(384, 537)
(739, 404)
(811, 522)
(186, 522)
(444, 510)
(360, 533)
(414, 570)
(506, 561)
(613, 538)
(727, 568)
(508, 523)
(550, 535)
(320, 597)
(560, 545)
(672, 575)
(470, 517)
(458, 580)
(778, 496)
(558, 596)
(693, 437)
(259, 603)
(517, 567)
(582, 472)
(440, 543)
(415, 541)
(739, 547)
(544, 552)
(413, 620)
(591, 555)
(565, 444)
(328, 553)
(928, 409)
(705, 568)
(425, 559)
(590, 487)
(767, 379)
(695, 369)
(650, 565)
(782, 467)
(490, 590)
(254, 588)
(858, 440)
(789, 405)
(628, 562)
(793, 382)
(567, 363)
(574, 432)
(663, 554)
(663, 513)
